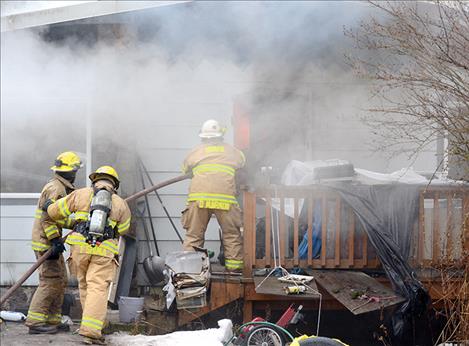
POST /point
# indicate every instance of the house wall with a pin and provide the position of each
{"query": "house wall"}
(16, 221)
(163, 145)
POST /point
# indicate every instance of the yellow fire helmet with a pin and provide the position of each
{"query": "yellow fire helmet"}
(105, 172)
(66, 162)
(320, 341)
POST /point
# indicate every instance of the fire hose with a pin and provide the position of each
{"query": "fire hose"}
(43, 258)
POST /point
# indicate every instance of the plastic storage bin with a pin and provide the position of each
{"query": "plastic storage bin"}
(186, 261)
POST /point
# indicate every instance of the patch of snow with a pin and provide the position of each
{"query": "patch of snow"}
(208, 337)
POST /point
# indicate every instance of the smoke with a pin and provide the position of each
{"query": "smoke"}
(146, 80)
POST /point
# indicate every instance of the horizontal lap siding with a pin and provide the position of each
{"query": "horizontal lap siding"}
(165, 232)
(27, 210)
(16, 255)
(174, 204)
(162, 143)
(10, 272)
(162, 146)
(16, 228)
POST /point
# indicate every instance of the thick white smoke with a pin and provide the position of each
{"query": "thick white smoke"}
(149, 78)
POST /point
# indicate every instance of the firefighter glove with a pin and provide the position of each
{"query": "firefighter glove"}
(57, 248)
(47, 204)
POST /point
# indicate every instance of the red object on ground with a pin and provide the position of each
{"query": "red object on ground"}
(286, 317)
(248, 328)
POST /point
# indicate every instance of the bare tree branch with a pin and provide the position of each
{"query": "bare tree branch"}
(416, 57)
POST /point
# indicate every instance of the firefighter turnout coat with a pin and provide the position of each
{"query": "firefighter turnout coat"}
(213, 191)
(46, 304)
(95, 265)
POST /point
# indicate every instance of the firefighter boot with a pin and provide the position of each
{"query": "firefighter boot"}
(63, 327)
(94, 341)
(43, 329)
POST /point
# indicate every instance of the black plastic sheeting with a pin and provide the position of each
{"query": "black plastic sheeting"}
(388, 214)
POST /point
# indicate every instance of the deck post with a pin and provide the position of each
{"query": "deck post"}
(247, 311)
(249, 204)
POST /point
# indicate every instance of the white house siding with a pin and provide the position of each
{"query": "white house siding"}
(16, 256)
(163, 144)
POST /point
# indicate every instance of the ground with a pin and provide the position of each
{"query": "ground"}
(16, 334)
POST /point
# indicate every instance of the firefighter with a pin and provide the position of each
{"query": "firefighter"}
(214, 165)
(44, 315)
(101, 216)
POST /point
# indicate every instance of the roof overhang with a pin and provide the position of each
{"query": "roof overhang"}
(30, 14)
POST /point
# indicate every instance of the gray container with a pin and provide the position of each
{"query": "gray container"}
(129, 308)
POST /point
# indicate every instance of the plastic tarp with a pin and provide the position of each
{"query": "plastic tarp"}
(303, 173)
(387, 213)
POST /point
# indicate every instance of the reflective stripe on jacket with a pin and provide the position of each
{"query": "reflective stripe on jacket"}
(43, 229)
(214, 165)
(107, 248)
(78, 204)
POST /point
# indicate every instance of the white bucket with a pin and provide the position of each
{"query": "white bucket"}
(129, 308)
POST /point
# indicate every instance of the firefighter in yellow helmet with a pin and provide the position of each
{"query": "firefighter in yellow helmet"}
(44, 315)
(101, 216)
(214, 165)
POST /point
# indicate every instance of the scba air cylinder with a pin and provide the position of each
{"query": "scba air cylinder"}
(100, 207)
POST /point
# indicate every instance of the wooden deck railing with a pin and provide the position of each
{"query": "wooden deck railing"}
(443, 227)
(439, 235)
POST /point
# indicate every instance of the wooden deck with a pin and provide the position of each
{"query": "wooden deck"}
(440, 235)
(440, 238)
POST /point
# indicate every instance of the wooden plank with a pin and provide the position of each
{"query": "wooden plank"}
(268, 231)
(351, 236)
(347, 285)
(324, 231)
(436, 228)
(337, 231)
(282, 232)
(296, 226)
(421, 241)
(249, 228)
(344, 263)
(274, 287)
(310, 230)
(250, 294)
(449, 227)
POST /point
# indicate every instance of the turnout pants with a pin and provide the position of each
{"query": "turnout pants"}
(195, 221)
(95, 274)
(46, 304)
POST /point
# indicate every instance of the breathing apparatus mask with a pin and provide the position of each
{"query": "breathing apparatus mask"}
(70, 176)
